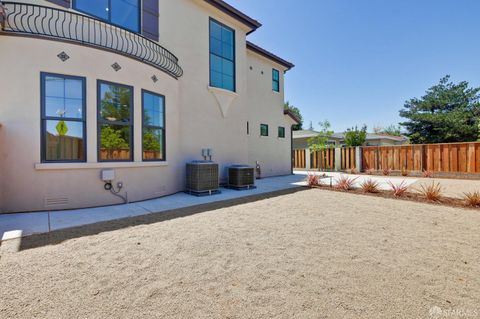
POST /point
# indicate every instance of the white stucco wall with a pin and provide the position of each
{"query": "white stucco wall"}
(27, 185)
(265, 106)
(193, 117)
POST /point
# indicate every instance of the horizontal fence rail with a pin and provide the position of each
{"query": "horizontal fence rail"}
(52, 23)
(444, 158)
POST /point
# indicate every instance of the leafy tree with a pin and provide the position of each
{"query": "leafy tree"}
(321, 141)
(112, 139)
(448, 112)
(394, 130)
(356, 137)
(296, 111)
(151, 141)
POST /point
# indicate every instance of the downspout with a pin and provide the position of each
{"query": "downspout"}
(291, 149)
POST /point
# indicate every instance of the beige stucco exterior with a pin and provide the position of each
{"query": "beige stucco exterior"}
(194, 118)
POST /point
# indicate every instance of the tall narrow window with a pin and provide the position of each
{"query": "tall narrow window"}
(222, 56)
(153, 131)
(63, 118)
(275, 80)
(263, 130)
(124, 13)
(115, 122)
(281, 132)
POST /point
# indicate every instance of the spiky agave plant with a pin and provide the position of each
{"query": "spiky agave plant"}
(370, 186)
(472, 199)
(398, 190)
(345, 183)
(432, 192)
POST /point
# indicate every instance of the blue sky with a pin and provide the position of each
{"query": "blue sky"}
(358, 61)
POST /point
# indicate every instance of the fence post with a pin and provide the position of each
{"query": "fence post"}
(308, 165)
(338, 159)
(358, 159)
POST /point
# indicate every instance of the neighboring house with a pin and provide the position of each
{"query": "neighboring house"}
(301, 139)
(374, 139)
(138, 86)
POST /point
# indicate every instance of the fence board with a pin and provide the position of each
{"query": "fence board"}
(454, 157)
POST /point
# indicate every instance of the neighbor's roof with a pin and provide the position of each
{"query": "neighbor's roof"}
(269, 55)
(374, 136)
(292, 115)
(235, 13)
(304, 134)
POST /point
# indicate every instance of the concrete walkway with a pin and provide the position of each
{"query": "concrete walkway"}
(24, 224)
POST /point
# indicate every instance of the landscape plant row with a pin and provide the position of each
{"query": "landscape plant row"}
(432, 192)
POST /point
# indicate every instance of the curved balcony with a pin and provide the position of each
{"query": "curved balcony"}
(56, 24)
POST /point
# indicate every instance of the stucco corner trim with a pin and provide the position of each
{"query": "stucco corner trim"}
(224, 99)
(77, 166)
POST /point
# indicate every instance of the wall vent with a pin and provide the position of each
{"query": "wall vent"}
(55, 202)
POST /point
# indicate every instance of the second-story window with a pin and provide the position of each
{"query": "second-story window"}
(275, 80)
(222, 56)
(123, 13)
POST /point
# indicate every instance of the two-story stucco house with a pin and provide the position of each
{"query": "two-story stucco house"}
(137, 86)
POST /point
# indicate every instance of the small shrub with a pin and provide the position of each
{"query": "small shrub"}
(427, 174)
(345, 183)
(370, 186)
(398, 190)
(386, 171)
(369, 171)
(472, 199)
(312, 180)
(404, 172)
(432, 192)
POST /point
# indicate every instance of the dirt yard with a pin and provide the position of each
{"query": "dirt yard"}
(311, 254)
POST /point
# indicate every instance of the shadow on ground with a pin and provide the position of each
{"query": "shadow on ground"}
(59, 236)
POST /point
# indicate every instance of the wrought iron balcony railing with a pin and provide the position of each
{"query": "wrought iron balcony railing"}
(41, 21)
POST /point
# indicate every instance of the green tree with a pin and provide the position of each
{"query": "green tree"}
(356, 137)
(151, 141)
(321, 141)
(295, 110)
(112, 139)
(393, 130)
(448, 112)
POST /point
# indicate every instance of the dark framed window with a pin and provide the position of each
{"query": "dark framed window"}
(275, 80)
(153, 126)
(281, 132)
(123, 13)
(248, 128)
(222, 56)
(263, 130)
(115, 122)
(63, 118)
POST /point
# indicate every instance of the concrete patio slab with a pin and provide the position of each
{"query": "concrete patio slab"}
(24, 224)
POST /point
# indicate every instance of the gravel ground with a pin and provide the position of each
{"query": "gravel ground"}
(311, 254)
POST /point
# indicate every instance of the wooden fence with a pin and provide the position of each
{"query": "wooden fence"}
(348, 158)
(299, 159)
(323, 160)
(448, 158)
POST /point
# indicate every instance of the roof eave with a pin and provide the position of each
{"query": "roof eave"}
(255, 48)
(293, 116)
(236, 14)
